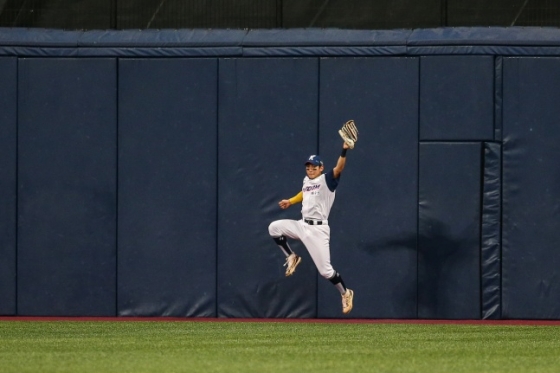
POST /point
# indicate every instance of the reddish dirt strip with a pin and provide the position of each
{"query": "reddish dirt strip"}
(337, 321)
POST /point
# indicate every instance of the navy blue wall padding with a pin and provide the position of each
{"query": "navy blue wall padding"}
(167, 187)
(162, 43)
(324, 37)
(39, 52)
(267, 129)
(67, 144)
(374, 217)
(177, 52)
(490, 249)
(8, 122)
(531, 189)
(449, 231)
(214, 126)
(485, 41)
(358, 51)
(452, 36)
(489, 50)
(200, 38)
(34, 37)
(324, 42)
(493, 36)
(498, 97)
(314, 42)
(456, 98)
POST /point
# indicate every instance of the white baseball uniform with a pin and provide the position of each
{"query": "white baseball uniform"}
(313, 229)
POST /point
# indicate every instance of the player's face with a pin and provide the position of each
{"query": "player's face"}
(313, 171)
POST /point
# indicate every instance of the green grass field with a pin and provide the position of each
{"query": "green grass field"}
(100, 346)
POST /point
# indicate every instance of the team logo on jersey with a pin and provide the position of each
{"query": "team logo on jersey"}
(312, 187)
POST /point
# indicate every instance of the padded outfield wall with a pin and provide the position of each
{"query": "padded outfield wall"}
(140, 170)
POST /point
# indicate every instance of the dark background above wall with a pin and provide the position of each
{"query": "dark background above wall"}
(251, 14)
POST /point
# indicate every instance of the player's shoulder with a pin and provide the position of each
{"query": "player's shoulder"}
(329, 175)
(331, 181)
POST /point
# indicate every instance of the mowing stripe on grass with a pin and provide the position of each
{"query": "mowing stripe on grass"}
(249, 346)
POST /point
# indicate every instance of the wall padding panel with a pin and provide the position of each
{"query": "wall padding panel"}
(374, 217)
(267, 129)
(167, 187)
(456, 98)
(67, 143)
(531, 189)
(8, 122)
(449, 231)
(491, 244)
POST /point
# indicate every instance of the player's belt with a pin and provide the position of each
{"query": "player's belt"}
(316, 222)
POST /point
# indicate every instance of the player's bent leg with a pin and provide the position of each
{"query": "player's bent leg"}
(327, 271)
(277, 230)
(283, 245)
(292, 260)
(284, 227)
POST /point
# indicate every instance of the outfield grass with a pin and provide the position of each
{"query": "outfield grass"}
(67, 346)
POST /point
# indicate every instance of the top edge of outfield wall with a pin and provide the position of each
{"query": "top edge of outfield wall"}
(520, 41)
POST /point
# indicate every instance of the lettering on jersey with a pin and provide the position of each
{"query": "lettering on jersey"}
(310, 188)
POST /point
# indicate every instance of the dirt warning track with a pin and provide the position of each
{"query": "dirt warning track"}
(281, 320)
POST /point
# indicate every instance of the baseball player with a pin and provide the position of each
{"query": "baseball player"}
(317, 197)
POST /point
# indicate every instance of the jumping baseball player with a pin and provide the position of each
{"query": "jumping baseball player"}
(317, 197)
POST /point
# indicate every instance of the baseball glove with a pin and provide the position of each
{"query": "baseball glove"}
(349, 133)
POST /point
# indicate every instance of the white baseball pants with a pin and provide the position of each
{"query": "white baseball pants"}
(316, 239)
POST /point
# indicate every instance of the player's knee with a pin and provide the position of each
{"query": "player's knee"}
(327, 273)
(274, 229)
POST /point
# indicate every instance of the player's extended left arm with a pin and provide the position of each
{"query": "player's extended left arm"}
(337, 170)
(285, 203)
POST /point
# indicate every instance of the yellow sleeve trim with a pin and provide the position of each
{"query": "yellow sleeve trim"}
(297, 198)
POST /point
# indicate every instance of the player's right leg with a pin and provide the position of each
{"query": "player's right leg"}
(279, 230)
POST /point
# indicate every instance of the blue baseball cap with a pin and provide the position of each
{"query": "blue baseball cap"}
(315, 160)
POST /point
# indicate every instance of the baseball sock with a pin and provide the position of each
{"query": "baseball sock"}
(336, 280)
(283, 244)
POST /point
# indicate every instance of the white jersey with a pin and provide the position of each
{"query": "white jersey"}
(318, 196)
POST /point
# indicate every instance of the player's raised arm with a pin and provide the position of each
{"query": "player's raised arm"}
(337, 170)
(349, 134)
